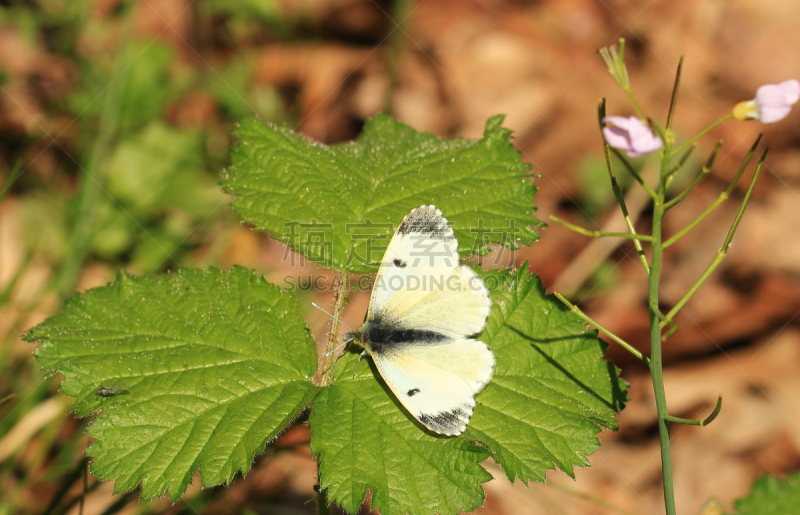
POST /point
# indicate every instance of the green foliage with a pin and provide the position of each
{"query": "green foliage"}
(197, 370)
(144, 73)
(291, 187)
(551, 392)
(365, 440)
(771, 496)
(550, 395)
(211, 365)
(162, 168)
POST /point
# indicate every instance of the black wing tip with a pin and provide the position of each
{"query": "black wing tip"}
(448, 423)
(427, 220)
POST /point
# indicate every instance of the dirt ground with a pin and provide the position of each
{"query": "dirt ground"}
(444, 66)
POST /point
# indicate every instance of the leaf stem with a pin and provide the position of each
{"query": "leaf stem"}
(627, 346)
(722, 252)
(722, 196)
(697, 136)
(322, 503)
(706, 421)
(600, 234)
(340, 287)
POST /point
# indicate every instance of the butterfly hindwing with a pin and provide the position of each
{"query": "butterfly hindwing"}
(437, 381)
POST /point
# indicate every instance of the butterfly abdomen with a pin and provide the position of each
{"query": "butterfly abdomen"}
(381, 337)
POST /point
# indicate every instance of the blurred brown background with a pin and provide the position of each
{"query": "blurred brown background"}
(444, 66)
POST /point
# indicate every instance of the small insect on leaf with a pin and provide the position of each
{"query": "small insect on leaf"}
(110, 390)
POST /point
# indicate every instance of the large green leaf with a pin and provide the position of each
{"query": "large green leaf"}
(339, 204)
(551, 392)
(550, 395)
(365, 440)
(771, 496)
(195, 370)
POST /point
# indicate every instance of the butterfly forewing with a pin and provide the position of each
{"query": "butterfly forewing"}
(421, 283)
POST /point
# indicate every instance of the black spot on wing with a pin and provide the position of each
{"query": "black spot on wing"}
(412, 392)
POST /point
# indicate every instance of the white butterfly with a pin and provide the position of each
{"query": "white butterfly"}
(424, 304)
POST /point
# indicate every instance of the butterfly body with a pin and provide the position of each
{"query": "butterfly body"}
(423, 307)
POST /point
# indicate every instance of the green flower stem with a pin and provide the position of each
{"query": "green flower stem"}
(672, 328)
(675, 89)
(656, 371)
(627, 346)
(601, 113)
(697, 136)
(722, 251)
(340, 287)
(702, 175)
(682, 161)
(722, 197)
(634, 173)
(706, 421)
(600, 234)
(635, 104)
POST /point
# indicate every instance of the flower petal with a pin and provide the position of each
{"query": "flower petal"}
(617, 137)
(622, 122)
(773, 113)
(791, 89)
(631, 135)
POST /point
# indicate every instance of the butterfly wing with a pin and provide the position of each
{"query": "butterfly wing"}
(437, 381)
(421, 283)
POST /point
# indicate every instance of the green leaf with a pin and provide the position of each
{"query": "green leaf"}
(337, 205)
(364, 440)
(771, 496)
(204, 368)
(551, 392)
(550, 395)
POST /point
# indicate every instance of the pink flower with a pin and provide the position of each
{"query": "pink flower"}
(773, 102)
(630, 135)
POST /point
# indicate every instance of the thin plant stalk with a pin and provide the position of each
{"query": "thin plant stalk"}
(601, 114)
(679, 148)
(722, 197)
(586, 318)
(723, 251)
(674, 100)
(697, 180)
(656, 364)
(600, 234)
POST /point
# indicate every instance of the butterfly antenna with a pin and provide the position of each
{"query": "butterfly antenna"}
(339, 346)
(330, 315)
